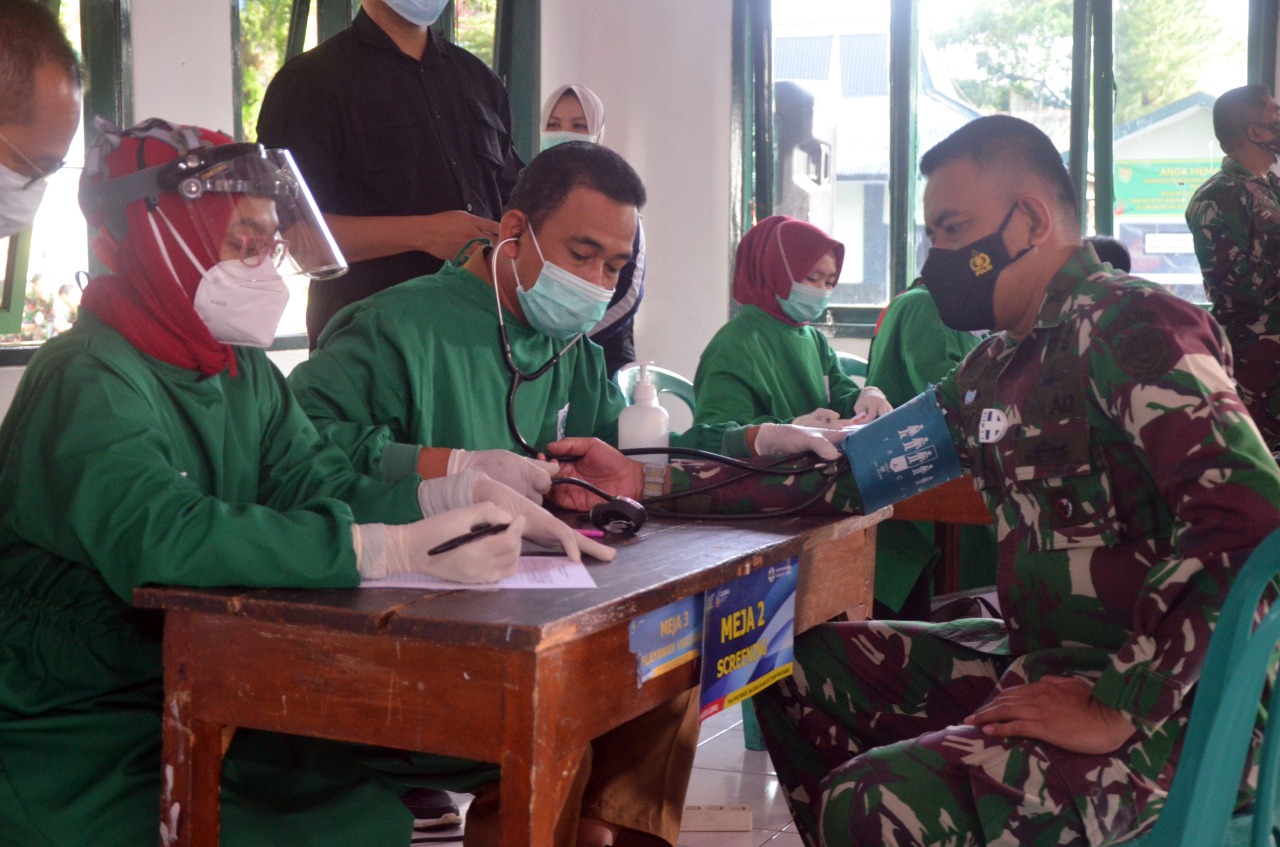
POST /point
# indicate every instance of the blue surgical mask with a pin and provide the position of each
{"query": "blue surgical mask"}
(561, 304)
(806, 303)
(420, 12)
(550, 138)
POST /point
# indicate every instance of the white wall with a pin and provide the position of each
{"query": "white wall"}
(669, 117)
(182, 62)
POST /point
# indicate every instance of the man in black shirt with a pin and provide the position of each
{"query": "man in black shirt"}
(405, 141)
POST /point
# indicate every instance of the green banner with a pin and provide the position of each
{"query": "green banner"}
(1158, 188)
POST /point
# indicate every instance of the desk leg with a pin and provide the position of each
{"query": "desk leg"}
(538, 777)
(191, 759)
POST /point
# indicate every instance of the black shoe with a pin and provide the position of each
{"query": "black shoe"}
(432, 809)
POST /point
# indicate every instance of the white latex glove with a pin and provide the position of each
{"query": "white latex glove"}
(451, 492)
(787, 439)
(385, 549)
(871, 404)
(825, 419)
(527, 476)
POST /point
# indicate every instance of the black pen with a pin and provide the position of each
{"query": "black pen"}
(480, 530)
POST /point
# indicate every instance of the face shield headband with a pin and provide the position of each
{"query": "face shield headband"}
(229, 169)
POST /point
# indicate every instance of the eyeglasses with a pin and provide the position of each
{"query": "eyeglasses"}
(253, 250)
(37, 174)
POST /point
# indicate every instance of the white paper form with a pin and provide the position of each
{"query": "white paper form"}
(534, 572)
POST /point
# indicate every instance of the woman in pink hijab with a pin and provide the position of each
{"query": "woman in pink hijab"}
(769, 364)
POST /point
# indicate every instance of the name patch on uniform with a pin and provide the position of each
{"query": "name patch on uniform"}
(1144, 354)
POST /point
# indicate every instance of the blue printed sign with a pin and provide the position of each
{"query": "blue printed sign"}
(666, 638)
(903, 453)
(748, 635)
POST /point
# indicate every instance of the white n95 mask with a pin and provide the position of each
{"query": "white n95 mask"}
(244, 312)
(18, 201)
(240, 305)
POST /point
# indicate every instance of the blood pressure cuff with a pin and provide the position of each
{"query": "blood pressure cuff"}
(902, 453)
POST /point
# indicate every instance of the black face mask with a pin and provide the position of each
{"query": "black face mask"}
(1273, 145)
(963, 281)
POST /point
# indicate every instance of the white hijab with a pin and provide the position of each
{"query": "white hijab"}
(592, 108)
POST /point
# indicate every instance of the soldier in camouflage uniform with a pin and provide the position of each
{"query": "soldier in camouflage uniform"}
(1127, 483)
(1235, 223)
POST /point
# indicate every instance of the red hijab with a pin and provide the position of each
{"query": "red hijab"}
(143, 300)
(767, 250)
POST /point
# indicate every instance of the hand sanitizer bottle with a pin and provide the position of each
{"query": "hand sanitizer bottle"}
(644, 423)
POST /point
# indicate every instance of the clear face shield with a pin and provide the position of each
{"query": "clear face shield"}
(246, 203)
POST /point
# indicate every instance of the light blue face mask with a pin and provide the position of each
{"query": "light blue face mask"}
(561, 304)
(806, 303)
(420, 12)
(550, 138)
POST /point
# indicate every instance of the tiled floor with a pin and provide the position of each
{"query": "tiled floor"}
(725, 772)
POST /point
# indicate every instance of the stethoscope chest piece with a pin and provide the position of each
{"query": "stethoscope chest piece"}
(618, 516)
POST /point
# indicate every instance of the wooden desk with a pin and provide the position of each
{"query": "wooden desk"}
(949, 506)
(538, 674)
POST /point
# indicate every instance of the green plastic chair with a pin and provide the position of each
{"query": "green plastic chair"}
(668, 382)
(853, 366)
(1198, 812)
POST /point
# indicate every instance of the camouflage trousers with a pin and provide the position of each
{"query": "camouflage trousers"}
(1257, 373)
(868, 742)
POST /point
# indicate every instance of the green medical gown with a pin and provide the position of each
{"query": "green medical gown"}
(913, 350)
(118, 470)
(421, 364)
(758, 369)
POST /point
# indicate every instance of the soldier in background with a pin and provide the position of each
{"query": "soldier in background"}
(1127, 483)
(1235, 223)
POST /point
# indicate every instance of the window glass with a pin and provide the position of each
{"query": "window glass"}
(1172, 60)
(59, 248)
(831, 128)
(474, 26)
(985, 57)
(264, 35)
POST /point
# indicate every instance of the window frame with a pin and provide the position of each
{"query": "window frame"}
(1092, 70)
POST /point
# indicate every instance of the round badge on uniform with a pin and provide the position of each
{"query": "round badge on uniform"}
(992, 426)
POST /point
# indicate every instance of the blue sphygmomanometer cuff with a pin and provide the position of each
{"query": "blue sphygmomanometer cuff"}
(903, 453)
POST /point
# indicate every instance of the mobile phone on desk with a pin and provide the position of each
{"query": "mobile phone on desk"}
(480, 530)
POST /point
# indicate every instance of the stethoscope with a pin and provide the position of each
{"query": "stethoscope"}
(519, 377)
(622, 515)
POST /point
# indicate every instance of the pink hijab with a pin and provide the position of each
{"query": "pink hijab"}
(760, 271)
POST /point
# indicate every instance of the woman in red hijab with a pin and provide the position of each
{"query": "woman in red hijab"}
(155, 443)
(768, 364)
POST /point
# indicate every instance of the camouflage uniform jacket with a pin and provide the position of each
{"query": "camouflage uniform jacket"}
(1128, 486)
(1235, 224)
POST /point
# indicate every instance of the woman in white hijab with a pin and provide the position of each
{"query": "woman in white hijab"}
(575, 113)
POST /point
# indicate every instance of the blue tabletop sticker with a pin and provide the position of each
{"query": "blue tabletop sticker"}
(748, 635)
(666, 638)
(903, 453)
